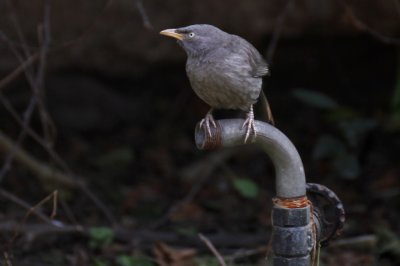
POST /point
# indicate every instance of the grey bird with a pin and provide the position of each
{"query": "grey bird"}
(224, 70)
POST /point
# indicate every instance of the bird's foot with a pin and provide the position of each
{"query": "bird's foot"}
(249, 124)
(206, 121)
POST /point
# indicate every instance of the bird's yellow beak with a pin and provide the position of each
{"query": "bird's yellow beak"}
(172, 33)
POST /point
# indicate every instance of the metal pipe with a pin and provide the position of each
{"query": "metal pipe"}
(290, 177)
(292, 227)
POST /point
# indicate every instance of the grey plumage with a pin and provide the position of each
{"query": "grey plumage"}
(224, 70)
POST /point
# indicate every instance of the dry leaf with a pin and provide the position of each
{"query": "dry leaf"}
(169, 256)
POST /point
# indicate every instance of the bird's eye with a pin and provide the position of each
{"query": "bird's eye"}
(191, 35)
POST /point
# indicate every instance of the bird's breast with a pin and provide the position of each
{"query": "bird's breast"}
(223, 85)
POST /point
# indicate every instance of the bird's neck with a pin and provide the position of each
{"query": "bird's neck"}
(197, 53)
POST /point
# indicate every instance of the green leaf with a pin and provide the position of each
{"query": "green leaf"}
(389, 242)
(207, 261)
(354, 130)
(98, 262)
(246, 187)
(186, 231)
(315, 99)
(100, 236)
(125, 260)
(340, 114)
(347, 166)
(328, 146)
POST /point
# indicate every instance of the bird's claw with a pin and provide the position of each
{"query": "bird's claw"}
(249, 124)
(206, 121)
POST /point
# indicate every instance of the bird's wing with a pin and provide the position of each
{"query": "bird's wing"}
(258, 66)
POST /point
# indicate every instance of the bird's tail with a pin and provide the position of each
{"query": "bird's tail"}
(265, 107)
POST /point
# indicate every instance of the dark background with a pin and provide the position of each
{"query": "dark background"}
(95, 105)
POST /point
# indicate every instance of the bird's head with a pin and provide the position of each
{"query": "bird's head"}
(198, 39)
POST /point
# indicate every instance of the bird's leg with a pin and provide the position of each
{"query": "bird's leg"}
(206, 121)
(249, 124)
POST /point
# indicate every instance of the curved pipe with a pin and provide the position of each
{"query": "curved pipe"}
(290, 178)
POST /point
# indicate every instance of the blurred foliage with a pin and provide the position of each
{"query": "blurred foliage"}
(246, 187)
(116, 160)
(100, 237)
(315, 99)
(389, 243)
(353, 130)
(207, 261)
(186, 231)
(99, 262)
(342, 149)
(394, 122)
(126, 260)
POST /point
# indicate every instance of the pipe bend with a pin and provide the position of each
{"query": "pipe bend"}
(290, 177)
